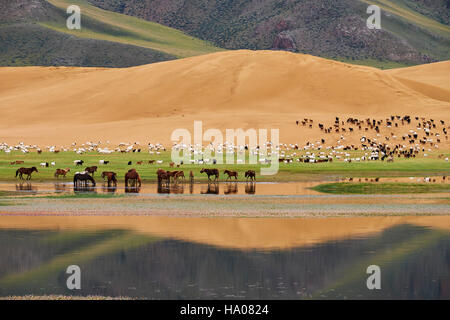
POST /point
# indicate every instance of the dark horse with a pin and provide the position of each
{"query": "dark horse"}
(133, 176)
(27, 171)
(91, 170)
(250, 174)
(163, 176)
(111, 177)
(82, 178)
(231, 174)
(211, 172)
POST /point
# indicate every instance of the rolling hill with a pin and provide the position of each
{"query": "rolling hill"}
(33, 32)
(231, 89)
(413, 32)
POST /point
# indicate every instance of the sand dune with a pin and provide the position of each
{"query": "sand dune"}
(247, 89)
(432, 80)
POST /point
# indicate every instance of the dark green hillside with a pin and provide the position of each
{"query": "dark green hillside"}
(413, 32)
(34, 33)
(34, 45)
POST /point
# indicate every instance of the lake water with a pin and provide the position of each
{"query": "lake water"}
(222, 188)
(231, 258)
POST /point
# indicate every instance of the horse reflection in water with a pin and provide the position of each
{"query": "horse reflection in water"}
(174, 189)
(133, 189)
(60, 187)
(250, 188)
(213, 188)
(107, 189)
(231, 188)
(84, 189)
(26, 186)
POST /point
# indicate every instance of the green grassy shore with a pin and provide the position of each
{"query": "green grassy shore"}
(418, 167)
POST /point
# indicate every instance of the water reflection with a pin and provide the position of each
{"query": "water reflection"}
(61, 187)
(84, 189)
(171, 188)
(230, 188)
(250, 188)
(120, 262)
(211, 188)
(109, 189)
(26, 186)
(134, 189)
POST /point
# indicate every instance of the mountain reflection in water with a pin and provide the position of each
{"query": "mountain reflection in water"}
(414, 261)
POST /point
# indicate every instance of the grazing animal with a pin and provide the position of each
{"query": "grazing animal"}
(78, 162)
(83, 179)
(211, 172)
(179, 174)
(44, 164)
(105, 162)
(250, 174)
(132, 176)
(111, 177)
(28, 171)
(61, 172)
(172, 164)
(163, 176)
(17, 162)
(130, 163)
(172, 174)
(91, 170)
(231, 174)
(139, 163)
(151, 161)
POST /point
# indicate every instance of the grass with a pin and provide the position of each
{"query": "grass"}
(101, 24)
(380, 188)
(430, 166)
(399, 8)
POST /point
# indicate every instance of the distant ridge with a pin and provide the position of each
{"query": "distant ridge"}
(413, 31)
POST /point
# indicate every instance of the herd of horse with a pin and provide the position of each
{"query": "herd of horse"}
(132, 178)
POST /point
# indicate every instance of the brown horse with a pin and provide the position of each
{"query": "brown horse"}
(211, 172)
(61, 172)
(250, 174)
(17, 162)
(231, 174)
(111, 177)
(91, 170)
(179, 174)
(172, 174)
(133, 176)
(163, 175)
(27, 171)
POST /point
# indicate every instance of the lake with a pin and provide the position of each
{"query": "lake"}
(226, 258)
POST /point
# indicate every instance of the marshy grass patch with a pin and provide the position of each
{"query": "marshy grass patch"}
(380, 188)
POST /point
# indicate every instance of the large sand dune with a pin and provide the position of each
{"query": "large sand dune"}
(247, 89)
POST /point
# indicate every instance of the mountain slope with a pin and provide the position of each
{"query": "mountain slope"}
(413, 31)
(33, 32)
(232, 89)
